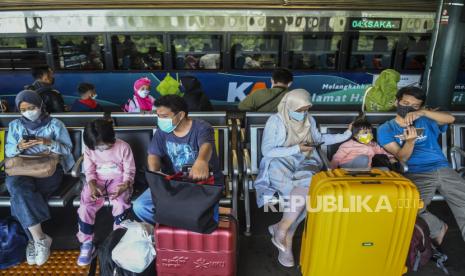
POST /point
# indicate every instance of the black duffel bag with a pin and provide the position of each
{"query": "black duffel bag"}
(183, 204)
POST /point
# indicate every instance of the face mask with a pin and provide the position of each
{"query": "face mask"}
(402, 110)
(166, 124)
(31, 115)
(143, 93)
(94, 97)
(298, 116)
(365, 138)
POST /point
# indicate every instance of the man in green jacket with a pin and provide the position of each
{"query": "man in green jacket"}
(267, 99)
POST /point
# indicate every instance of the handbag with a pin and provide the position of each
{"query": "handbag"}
(183, 204)
(38, 166)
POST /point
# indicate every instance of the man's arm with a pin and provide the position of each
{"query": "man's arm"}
(405, 152)
(442, 118)
(154, 163)
(200, 168)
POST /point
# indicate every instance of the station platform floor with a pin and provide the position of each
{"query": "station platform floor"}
(257, 255)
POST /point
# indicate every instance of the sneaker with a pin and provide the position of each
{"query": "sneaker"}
(31, 253)
(42, 249)
(87, 254)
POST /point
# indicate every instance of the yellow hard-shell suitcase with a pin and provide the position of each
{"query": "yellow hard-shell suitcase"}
(358, 224)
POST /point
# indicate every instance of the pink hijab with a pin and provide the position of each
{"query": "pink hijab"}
(146, 103)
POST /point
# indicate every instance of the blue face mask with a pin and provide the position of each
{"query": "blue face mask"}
(298, 116)
(166, 124)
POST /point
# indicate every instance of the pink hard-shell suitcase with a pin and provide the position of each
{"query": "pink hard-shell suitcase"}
(185, 253)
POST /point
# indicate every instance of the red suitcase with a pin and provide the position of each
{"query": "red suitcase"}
(184, 253)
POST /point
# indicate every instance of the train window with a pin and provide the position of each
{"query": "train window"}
(255, 51)
(372, 52)
(78, 52)
(195, 52)
(21, 53)
(316, 51)
(137, 52)
(416, 52)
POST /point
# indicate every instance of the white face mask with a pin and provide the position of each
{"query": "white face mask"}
(94, 97)
(32, 115)
(143, 93)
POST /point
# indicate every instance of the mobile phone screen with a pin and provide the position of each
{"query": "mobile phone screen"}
(420, 131)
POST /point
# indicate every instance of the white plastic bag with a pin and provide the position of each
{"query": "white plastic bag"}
(135, 251)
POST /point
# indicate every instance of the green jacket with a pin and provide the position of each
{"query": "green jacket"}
(382, 96)
(259, 97)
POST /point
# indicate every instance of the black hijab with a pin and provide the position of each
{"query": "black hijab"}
(33, 98)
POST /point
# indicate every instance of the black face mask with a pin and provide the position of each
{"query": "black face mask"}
(402, 110)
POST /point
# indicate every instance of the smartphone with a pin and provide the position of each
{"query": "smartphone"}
(419, 130)
(314, 144)
(29, 137)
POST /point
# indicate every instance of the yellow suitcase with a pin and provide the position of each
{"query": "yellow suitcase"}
(358, 224)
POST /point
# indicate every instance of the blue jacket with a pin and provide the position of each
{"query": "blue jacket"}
(55, 130)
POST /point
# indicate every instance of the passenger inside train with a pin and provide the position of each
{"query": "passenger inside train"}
(87, 102)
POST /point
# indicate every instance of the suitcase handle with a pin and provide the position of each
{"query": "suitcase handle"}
(362, 173)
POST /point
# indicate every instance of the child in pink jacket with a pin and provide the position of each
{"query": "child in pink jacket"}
(109, 169)
(359, 151)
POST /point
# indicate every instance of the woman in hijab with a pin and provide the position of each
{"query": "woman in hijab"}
(34, 133)
(193, 94)
(141, 101)
(289, 163)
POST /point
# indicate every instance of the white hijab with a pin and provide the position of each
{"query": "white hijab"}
(296, 132)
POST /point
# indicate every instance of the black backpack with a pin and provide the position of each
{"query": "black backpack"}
(108, 267)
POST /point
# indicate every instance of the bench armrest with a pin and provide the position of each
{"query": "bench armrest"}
(247, 162)
(243, 136)
(76, 170)
(453, 154)
(323, 158)
(235, 182)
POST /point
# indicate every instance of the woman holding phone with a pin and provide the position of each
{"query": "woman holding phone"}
(288, 164)
(32, 134)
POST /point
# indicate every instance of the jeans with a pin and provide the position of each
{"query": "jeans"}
(143, 207)
(29, 197)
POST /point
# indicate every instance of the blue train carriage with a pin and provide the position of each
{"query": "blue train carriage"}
(334, 54)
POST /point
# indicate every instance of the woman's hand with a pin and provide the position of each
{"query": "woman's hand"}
(43, 141)
(305, 148)
(23, 144)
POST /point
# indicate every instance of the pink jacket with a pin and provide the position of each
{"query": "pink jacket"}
(116, 163)
(351, 149)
